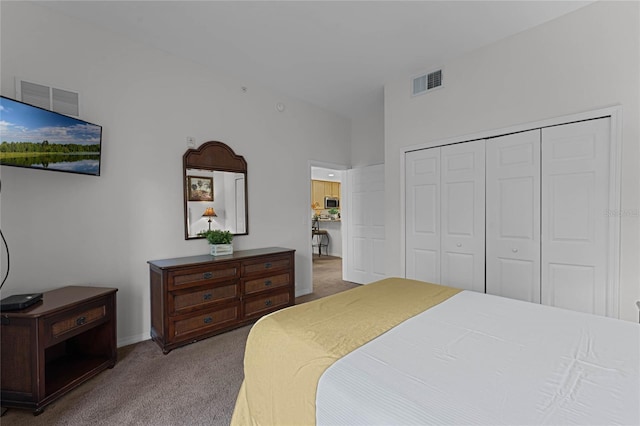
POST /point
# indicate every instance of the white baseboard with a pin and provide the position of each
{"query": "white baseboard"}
(133, 339)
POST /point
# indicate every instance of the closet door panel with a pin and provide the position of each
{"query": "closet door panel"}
(513, 216)
(463, 215)
(422, 183)
(575, 234)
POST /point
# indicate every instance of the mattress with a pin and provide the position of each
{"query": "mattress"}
(287, 351)
(406, 352)
(487, 360)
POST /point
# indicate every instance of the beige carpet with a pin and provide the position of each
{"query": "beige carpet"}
(193, 385)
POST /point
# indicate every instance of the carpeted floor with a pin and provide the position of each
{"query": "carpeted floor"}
(193, 385)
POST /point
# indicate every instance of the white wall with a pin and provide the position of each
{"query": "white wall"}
(583, 61)
(65, 229)
(367, 133)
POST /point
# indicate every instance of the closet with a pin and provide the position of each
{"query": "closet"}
(446, 215)
(521, 215)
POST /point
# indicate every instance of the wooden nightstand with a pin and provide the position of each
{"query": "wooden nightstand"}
(55, 345)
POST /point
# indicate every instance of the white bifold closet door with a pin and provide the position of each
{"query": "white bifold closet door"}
(445, 215)
(575, 227)
(422, 215)
(513, 216)
(547, 232)
(462, 215)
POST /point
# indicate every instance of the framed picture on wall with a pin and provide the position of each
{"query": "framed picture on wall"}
(200, 188)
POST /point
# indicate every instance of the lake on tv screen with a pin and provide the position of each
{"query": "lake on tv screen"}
(38, 138)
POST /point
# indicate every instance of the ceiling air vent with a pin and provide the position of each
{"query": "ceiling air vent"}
(426, 82)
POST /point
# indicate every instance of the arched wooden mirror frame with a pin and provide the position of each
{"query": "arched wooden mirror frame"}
(213, 156)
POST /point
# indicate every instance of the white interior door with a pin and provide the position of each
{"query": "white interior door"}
(513, 216)
(365, 225)
(422, 215)
(575, 234)
(462, 215)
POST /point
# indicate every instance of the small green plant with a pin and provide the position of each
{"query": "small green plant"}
(217, 236)
(334, 211)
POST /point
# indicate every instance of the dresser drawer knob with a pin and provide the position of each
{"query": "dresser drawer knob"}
(267, 283)
(207, 296)
(207, 275)
(208, 320)
(267, 265)
(81, 320)
(268, 303)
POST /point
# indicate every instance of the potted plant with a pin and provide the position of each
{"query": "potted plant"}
(219, 240)
(334, 213)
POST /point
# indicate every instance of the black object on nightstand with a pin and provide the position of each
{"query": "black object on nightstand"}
(19, 301)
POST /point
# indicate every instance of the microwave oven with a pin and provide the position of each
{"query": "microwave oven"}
(331, 203)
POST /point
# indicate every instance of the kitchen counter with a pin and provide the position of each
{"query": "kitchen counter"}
(334, 230)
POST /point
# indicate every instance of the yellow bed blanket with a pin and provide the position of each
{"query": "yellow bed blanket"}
(289, 350)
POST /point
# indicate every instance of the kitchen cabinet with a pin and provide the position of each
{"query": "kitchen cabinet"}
(324, 188)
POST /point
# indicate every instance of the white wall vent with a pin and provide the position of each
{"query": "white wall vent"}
(426, 82)
(58, 100)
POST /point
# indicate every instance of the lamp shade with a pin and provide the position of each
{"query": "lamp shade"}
(209, 212)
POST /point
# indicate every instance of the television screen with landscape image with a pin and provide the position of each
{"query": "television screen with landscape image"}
(37, 138)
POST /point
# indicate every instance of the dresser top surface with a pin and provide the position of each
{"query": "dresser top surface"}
(207, 258)
(60, 298)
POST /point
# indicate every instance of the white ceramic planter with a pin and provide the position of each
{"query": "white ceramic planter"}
(221, 249)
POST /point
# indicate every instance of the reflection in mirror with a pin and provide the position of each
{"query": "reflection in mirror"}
(215, 190)
(227, 201)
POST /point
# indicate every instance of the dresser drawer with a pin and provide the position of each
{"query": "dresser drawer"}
(61, 327)
(266, 264)
(182, 301)
(202, 275)
(260, 305)
(192, 326)
(267, 283)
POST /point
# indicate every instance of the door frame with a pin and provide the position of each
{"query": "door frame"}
(324, 165)
(615, 114)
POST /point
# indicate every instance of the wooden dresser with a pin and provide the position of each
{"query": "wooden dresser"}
(55, 345)
(195, 297)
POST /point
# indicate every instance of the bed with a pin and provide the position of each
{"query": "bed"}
(399, 352)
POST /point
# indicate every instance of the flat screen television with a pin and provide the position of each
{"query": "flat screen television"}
(37, 138)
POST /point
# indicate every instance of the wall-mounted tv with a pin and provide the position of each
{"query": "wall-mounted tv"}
(37, 138)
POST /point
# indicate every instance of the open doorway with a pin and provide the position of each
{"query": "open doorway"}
(327, 231)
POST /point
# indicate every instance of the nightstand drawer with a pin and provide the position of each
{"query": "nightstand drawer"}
(61, 327)
(267, 264)
(182, 301)
(267, 283)
(261, 305)
(185, 327)
(202, 275)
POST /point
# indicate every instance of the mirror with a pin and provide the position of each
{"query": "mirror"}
(215, 190)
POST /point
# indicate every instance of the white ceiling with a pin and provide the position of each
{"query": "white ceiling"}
(335, 54)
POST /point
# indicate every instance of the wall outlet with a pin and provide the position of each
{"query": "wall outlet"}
(191, 142)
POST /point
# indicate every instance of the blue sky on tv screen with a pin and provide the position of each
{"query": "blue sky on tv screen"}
(24, 123)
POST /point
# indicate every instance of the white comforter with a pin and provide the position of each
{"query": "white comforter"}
(481, 359)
